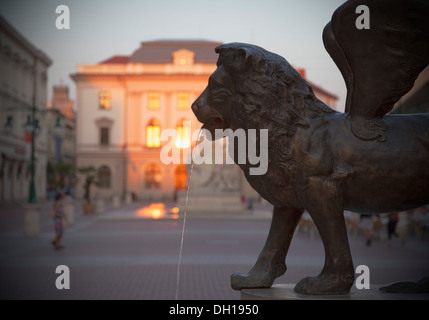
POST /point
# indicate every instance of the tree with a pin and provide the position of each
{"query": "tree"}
(91, 177)
(59, 174)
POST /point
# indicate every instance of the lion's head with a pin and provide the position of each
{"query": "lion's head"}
(253, 88)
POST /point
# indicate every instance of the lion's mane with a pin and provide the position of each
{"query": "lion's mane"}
(269, 94)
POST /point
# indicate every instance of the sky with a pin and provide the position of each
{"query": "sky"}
(100, 29)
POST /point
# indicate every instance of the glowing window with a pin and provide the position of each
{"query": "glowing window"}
(153, 132)
(183, 139)
(180, 177)
(153, 101)
(104, 100)
(183, 101)
(153, 177)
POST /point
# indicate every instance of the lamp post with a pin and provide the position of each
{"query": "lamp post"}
(31, 208)
(9, 125)
(32, 214)
(32, 127)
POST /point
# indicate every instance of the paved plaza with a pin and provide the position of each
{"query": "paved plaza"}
(120, 254)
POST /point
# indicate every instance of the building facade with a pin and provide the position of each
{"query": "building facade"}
(23, 81)
(61, 143)
(123, 105)
(61, 127)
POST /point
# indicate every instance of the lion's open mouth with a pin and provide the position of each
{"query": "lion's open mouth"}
(213, 124)
(217, 121)
(209, 117)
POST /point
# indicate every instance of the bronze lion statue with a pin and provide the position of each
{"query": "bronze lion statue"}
(321, 160)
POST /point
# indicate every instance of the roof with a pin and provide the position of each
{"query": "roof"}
(315, 87)
(320, 89)
(161, 51)
(115, 60)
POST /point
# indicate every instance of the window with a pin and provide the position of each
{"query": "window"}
(104, 136)
(104, 177)
(19, 172)
(153, 177)
(183, 139)
(153, 132)
(15, 74)
(104, 100)
(10, 171)
(6, 66)
(183, 101)
(180, 177)
(104, 126)
(153, 101)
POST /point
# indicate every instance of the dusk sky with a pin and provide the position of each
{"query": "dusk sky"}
(103, 28)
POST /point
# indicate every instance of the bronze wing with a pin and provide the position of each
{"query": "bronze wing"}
(379, 64)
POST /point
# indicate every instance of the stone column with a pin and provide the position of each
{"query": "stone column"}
(116, 201)
(31, 219)
(68, 205)
(128, 198)
(99, 206)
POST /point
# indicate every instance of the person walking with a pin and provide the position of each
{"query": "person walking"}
(366, 225)
(391, 227)
(58, 220)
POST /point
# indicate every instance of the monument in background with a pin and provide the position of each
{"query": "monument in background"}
(214, 188)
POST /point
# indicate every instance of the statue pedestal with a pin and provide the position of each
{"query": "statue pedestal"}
(214, 203)
(286, 292)
(214, 189)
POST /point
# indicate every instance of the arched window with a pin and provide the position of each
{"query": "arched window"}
(153, 132)
(183, 129)
(104, 177)
(153, 177)
(180, 177)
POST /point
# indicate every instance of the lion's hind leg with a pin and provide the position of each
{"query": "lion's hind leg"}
(324, 204)
(271, 261)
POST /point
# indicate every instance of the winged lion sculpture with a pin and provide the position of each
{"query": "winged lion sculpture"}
(320, 160)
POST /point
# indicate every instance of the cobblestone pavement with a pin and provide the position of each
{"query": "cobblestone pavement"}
(137, 258)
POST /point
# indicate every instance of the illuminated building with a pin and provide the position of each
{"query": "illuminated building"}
(123, 104)
(23, 81)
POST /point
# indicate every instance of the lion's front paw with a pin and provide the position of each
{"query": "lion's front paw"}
(250, 280)
(324, 285)
(258, 277)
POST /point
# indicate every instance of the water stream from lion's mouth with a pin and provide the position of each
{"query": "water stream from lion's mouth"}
(185, 213)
